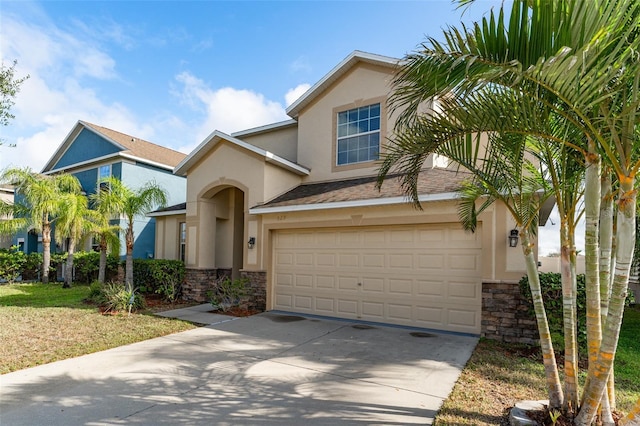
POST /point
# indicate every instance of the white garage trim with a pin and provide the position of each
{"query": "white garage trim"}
(427, 276)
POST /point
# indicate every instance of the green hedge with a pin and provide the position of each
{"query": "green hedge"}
(154, 275)
(551, 285)
(32, 267)
(12, 261)
(87, 265)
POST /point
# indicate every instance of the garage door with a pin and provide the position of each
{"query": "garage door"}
(424, 276)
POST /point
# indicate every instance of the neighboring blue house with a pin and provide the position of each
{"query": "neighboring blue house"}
(92, 152)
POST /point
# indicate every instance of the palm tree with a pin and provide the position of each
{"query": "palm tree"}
(115, 197)
(574, 63)
(502, 173)
(104, 229)
(37, 204)
(107, 238)
(74, 222)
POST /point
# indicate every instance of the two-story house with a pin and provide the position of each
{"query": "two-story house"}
(91, 153)
(293, 207)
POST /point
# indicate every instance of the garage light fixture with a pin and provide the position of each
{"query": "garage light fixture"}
(252, 242)
(513, 238)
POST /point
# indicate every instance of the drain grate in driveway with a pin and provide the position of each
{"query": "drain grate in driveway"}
(421, 334)
(362, 327)
(285, 318)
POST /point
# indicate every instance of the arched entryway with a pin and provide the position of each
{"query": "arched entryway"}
(215, 239)
(221, 230)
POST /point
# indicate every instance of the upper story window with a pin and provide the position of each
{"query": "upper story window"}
(358, 135)
(104, 172)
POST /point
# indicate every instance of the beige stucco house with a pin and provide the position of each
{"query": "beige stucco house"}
(293, 207)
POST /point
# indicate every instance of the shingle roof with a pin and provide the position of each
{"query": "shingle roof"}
(430, 181)
(175, 207)
(139, 147)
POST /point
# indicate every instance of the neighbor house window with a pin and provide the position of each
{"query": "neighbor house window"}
(358, 135)
(104, 172)
(183, 240)
(95, 243)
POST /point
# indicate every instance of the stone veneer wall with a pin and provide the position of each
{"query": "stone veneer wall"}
(505, 314)
(257, 289)
(198, 282)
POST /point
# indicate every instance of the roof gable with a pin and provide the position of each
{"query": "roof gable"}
(217, 137)
(89, 142)
(86, 146)
(338, 71)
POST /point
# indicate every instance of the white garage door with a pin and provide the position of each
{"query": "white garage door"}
(423, 276)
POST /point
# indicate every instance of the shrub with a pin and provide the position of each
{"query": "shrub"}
(114, 297)
(228, 293)
(142, 278)
(87, 264)
(168, 276)
(57, 260)
(12, 261)
(159, 276)
(551, 286)
(32, 266)
(95, 292)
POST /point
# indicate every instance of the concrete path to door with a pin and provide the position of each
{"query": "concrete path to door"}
(266, 369)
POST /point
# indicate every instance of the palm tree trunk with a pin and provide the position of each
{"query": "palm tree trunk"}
(606, 244)
(68, 276)
(625, 242)
(568, 274)
(128, 276)
(554, 387)
(592, 198)
(102, 268)
(46, 249)
(633, 418)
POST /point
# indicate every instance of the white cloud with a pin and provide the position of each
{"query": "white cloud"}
(67, 67)
(226, 109)
(293, 94)
(64, 70)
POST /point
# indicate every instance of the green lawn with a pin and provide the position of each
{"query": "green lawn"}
(45, 323)
(499, 375)
(41, 323)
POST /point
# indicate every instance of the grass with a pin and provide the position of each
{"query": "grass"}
(498, 375)
(42, 323)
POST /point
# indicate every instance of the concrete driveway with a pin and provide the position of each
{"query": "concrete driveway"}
(268, 368)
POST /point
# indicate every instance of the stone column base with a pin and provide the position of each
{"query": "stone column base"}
(200, 282)
(257, 287)
(505, 314)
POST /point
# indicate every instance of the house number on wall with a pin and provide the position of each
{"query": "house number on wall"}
(281, 217)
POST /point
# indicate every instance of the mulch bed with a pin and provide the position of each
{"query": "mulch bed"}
(543, 418)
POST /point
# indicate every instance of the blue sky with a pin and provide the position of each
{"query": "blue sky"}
(172, 72)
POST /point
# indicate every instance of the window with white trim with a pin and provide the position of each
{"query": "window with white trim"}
(104, 172)
(358, 135)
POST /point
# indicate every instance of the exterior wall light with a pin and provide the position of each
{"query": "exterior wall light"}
(252, 242)
(513, 238)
